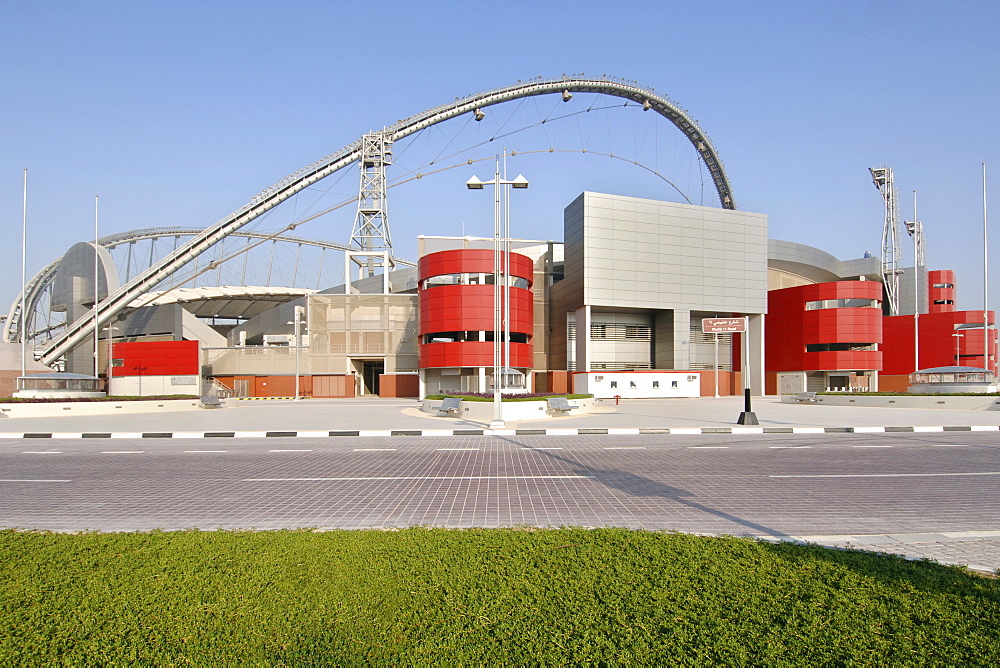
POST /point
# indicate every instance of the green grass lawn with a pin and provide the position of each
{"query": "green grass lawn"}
(480, 597)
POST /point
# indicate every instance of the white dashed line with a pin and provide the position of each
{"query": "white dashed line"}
(374, 449)
(708, 447)
(638, 447)
(289, 450)
(949, 445)
(872, 446)
(527, 448)
(456, 449)
(205, 451)
(885, 475)
(27, 480)
(122, 452)
(42, 452)
(422, 477)
(789, 447)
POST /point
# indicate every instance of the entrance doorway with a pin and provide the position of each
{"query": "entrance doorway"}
(371, 371)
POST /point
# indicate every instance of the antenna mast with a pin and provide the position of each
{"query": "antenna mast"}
(882, 177)
(371, 243)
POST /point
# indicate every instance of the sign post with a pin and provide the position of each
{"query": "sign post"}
(739, 325)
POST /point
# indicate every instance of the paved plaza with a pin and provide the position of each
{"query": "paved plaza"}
(927, 489)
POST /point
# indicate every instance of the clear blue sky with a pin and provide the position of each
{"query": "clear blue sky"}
(175, 113)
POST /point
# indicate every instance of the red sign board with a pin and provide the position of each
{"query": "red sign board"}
(722, 325)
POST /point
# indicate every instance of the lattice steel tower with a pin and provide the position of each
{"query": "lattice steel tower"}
(882, 177)
(371, 243)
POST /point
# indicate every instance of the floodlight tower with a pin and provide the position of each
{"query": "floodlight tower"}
(882, 177)
(371, 243)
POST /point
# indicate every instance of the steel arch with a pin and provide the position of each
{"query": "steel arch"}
(266, 200)
(35, 287)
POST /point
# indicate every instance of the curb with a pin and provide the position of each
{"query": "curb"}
(502, 432)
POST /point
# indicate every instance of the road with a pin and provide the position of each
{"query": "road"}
(940, 488)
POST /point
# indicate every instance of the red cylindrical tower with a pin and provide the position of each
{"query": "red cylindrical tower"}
(456, 309)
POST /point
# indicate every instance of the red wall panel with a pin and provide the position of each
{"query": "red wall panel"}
(157, 358)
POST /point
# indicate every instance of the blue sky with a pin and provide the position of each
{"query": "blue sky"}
(176, 113)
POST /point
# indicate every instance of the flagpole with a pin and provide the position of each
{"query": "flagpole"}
(986, 303)
(24, 244)
(97, 288)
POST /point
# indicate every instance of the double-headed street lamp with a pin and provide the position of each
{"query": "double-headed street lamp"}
(501, 266)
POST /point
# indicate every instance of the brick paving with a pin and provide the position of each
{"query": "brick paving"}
(926, 495)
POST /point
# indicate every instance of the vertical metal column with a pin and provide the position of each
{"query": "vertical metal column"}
(883, 180)
(371, 242)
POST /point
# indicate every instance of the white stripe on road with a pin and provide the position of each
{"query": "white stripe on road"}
(637, 447)
(427, 477)
(289, 450)
(374, 449)
(708, 447)
(198, 451)
(27, 480)
(885, 475)
(527, 448)
(949, 445)
(789, 447)
(122, 452)
(872, 446)
(456, 449)
(42, 452)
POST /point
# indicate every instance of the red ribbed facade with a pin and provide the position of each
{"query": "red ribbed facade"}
(467, 309)
(941, 291)
(800, 338)
(938, 344)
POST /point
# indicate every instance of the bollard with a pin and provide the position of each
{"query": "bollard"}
(617, 397)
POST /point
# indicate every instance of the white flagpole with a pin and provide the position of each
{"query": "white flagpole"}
(24, 244)
(97, 283)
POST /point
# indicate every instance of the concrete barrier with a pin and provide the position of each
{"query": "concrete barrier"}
(56, 409)
(980, 403)
(482, 411)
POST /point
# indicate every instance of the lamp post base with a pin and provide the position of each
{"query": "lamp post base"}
(747, 418)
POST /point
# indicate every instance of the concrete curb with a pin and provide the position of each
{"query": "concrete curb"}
(382, 433)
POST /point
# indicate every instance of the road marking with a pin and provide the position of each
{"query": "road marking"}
(623, 432)
(884, 475)
(26, 480)
(427, 477)
(374, 449)
(456, 449)
(375, 432)
(949, 445)
(708, 447)
(122, 452)
(927, 429)
(696, 431)
(789, 447)
(873, 446)
(289, 450)
(196, 451)
(42, 452)
(529, 448)
(637, 447)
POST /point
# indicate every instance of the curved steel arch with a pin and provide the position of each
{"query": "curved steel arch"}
(266, 200)
(35, 287)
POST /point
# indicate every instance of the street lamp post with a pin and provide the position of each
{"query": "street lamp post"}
(500, 299)
(958, 356)
(297, 322)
